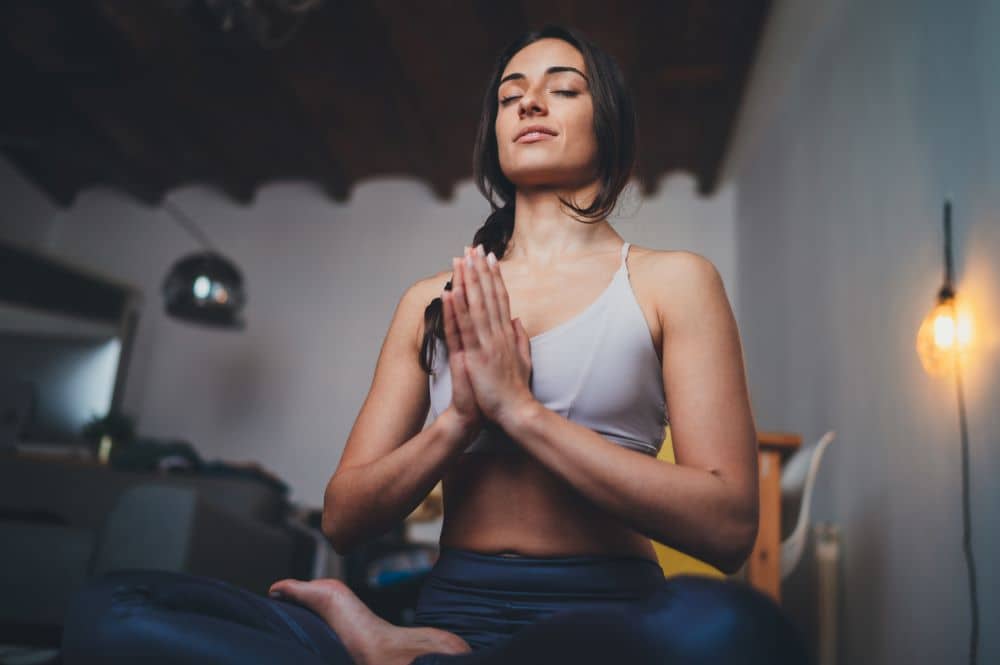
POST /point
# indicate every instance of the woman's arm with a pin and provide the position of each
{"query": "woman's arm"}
(362, 502)
(389, 465)
(707, 504)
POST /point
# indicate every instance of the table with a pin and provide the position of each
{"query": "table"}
(764, 565)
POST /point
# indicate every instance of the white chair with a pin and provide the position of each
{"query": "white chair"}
(798, 477)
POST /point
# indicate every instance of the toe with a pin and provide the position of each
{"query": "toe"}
(278, 586)
(288, 589)
(315, 597)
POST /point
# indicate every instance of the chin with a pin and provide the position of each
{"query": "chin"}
(541, 174)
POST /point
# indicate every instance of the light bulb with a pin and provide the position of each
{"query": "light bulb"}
(947, 330)
(202, 287)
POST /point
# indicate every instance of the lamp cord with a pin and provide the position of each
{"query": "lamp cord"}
(966, 518)
(187, 224)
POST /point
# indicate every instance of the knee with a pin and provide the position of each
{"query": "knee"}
(101, 592)
(705, 620)
(99, 613)
(114, 589)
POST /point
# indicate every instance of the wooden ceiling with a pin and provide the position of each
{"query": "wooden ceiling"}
(150, 95)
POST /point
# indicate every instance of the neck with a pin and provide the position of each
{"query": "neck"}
(545, 231)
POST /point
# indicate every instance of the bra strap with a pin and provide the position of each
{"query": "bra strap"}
(625, 247)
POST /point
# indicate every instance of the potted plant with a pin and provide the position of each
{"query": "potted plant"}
(107, 432)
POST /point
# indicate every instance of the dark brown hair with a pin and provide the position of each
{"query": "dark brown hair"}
(614, 128)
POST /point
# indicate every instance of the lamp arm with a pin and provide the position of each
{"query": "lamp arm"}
(187, 224)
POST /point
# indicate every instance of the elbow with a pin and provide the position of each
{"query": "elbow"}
(339, 541)
(332, 525)
(330, 533)
(735, 552)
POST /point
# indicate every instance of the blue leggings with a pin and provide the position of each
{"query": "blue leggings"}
(582, 610)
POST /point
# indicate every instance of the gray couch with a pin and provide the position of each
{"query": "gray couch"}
(62, 522)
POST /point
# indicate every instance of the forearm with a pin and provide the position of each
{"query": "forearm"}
(689, 509)
(363, 502)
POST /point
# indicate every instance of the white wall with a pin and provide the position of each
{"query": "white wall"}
(322, 280)
(862, 116)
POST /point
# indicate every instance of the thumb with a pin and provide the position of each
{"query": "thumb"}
(523, 343)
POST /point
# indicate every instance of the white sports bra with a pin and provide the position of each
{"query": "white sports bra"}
(598, 369)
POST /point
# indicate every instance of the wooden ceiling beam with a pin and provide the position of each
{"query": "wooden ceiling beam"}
(199, 87)
(37, 170)
(60, 149)
(337, 68)
(148, 97)
(744, 24)
(458, 70)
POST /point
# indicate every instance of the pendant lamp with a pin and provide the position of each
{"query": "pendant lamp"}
(946, 335)
(944, 342)
(204, 287)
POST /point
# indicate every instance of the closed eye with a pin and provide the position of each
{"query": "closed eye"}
(564, 93)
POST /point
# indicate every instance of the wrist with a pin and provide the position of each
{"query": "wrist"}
(519, 413)
(457, 427)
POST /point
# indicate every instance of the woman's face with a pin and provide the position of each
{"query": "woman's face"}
(545, 86)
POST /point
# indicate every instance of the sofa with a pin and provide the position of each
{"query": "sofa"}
(63, 521)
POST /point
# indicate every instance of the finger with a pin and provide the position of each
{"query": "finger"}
(484, 275)
(499, 288)
(523, 342)
(466, 329)
(475, 299)
(452, 338)
(502, 299)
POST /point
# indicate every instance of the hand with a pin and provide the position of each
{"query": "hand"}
(495, 350)
(463, 400)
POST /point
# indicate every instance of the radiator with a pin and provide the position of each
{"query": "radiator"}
(828, 541)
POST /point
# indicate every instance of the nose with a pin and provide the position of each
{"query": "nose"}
(531, 103)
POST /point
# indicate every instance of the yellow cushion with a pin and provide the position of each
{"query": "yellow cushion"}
(673, 561)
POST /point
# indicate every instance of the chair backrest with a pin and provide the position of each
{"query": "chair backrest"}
(798, 478)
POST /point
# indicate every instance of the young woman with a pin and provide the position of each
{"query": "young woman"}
(545, 434)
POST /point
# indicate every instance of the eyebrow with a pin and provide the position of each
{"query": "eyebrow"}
(551, 70)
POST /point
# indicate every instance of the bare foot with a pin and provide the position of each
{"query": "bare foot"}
(369, 639)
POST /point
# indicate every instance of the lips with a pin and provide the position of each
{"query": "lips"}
(533, 132)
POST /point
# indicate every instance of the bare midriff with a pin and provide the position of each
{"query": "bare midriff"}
(509, 504)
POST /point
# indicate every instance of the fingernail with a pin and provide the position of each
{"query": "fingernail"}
(275, 594)
(491, 259)
(480, 250)
(468, 261)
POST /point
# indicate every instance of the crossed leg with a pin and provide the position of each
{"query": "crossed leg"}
(688, 621)
(165, 618)
(160, 618)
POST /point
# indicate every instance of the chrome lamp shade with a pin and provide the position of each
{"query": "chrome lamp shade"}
(205, 288)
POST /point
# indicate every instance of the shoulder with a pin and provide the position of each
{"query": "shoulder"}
(685, 282)
(683, 268)
(693, 268)
(419, 295)
(429, 287)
